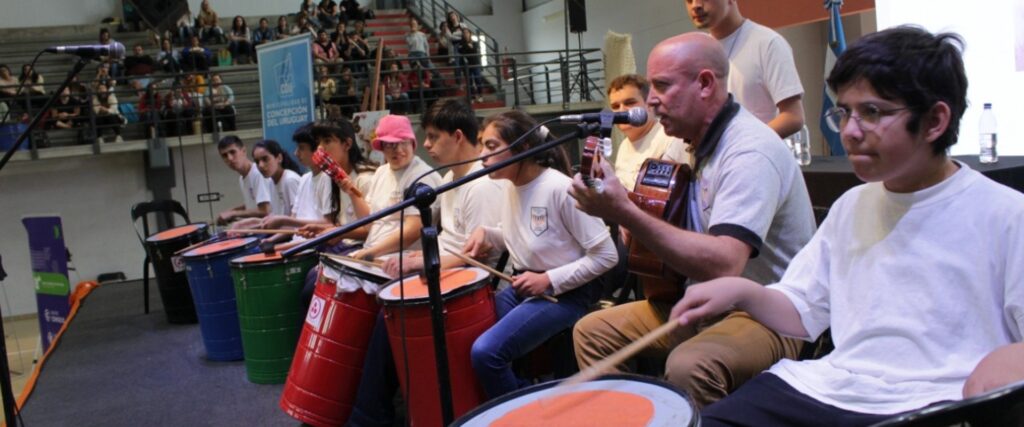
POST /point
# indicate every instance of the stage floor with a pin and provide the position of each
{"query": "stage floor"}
(116, 366)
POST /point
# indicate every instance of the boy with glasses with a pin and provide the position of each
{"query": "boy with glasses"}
(917, 273)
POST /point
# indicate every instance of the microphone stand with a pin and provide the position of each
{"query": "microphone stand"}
(422, 196)
(82, 61)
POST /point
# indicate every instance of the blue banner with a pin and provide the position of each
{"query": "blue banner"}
(286, 87)
(50, 273)
(836, 46)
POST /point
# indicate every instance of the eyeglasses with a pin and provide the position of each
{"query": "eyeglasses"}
(394, 146)
(867, 116)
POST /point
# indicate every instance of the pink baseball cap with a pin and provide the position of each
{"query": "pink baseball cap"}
(392, 128)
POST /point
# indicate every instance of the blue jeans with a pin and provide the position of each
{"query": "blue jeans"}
(523, 325)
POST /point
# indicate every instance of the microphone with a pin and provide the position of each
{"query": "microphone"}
(635, 116)
(90, 51)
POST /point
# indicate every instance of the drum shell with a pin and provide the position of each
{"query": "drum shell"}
(328, 364)
(686, 412)
(213, 291)
(173, 285)
(269, 313)
(468, 313)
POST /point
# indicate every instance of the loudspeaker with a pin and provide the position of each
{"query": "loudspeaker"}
(577, 16)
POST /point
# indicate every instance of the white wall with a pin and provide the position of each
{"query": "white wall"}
(93, 196)
(48, 13)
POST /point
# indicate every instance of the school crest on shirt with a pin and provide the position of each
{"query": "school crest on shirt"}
(538, 220)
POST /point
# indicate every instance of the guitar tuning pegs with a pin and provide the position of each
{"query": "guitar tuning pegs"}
(606, 147)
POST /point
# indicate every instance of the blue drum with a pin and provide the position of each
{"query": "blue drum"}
(213, 291)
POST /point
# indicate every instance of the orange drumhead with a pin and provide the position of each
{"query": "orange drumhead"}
(175, 232)
(416, 286)
(583, 408)
(221, 246)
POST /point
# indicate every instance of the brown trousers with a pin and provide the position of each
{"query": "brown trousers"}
(707, 361)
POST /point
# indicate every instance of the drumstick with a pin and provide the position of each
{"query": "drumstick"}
(264, 231)
(378, 264)
(620, 356)
(491, 270)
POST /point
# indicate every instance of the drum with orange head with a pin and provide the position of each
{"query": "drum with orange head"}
(469, 312)
(170, 269)
(613, 401)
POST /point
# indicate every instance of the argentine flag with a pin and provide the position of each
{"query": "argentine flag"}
(836, 46)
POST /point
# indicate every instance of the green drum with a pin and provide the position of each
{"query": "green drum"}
(267, 288)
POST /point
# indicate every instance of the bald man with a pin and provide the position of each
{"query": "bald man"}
(748, 215)
(763, 77)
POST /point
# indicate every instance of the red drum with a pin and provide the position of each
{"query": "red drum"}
(613, 401)
(469, 311)
(328, 363)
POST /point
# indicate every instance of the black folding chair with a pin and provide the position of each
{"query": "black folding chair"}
(1000, 407)
(166, 208)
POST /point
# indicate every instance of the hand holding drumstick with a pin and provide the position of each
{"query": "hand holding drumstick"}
(491, 270)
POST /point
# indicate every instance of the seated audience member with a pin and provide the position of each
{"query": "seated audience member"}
(208, 27)
(168, 58)
(359, 29)
(308, 7)
(282, 30)
(302, 25)
(354, 11)
(263, 34)
(347, 95)
(418, 81)
(195, 57)
(32, 84)
(104, 105)
(8, 86)
(358, 50)
(917, 273)
(150, 107)
(328, 13)
(116, 59)
(554, 248)
(66, 111)
(103, 77)
(185, 28)
(324, 50)
(324, 87)
(748, 214)
(396, 89)
(220, 105)
(178, 110)
(256, 189)
(338, 36)
(239, 40)
(139, 63)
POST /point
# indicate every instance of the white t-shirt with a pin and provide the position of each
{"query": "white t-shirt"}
(655, 144)
(314, 199)
(255, 188)
(917, 288)
(346, 210)
(751, 189)
(386, 190)
(478, 203)
(282, 199)
(761, 69)
(543, 231)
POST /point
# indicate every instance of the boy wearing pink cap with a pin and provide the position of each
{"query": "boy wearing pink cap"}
(395, 138)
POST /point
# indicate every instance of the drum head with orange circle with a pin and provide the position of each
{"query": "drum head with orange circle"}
(413, 288)
(221, 248)
(615, 400)
(176, 232)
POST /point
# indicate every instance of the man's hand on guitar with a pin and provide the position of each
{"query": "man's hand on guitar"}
(608, 204)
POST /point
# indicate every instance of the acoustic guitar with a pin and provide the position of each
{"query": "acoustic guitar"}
(661, 191)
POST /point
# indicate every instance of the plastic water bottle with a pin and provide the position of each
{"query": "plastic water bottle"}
(800, 144)
(987, 136)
